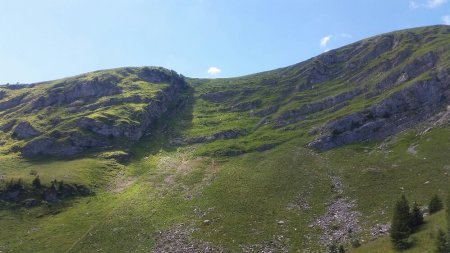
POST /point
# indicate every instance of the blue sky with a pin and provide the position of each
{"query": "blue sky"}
(50, 39)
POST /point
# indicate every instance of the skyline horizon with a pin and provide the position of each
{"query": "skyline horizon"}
(197, 38)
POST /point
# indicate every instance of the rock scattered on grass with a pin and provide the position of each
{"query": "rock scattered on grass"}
(278, 243)
(339, 224)
(300, 203)
(178, 239)
(379, 230)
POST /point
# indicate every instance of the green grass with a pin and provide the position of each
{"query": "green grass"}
(92, 172)
(170, 182)
(423, 239)
(127, 112)
(244, 196)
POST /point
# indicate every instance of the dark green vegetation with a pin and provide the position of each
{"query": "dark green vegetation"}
(400, 226)
(404, 222)
(302, 157)
(435, 204)
(20, 193)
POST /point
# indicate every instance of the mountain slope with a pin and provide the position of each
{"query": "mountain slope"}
(94, 110)
(289, 160)
(364, 91)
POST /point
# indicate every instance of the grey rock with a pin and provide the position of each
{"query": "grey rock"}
(292, 116)
(102, 134)
(266, 111)
(161, 75)
(118, 156)
(24, 130)
(218, 97)
(12, 102)
(266, 146)
(49, 146)
(399, 111)
(246, 106)
(8, 125)
(222, 135)
(418, 66)
(70, 91)
(178, 239)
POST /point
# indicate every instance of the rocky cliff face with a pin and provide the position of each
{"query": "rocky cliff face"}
(364, 91)
(95, 110)
(399, 111)
(412, 101)
(411, 88)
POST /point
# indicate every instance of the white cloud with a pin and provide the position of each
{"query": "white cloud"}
(413, 5)
(446, 19)
(435, 3)
(214, 71)
(325, 40)
(430, 4)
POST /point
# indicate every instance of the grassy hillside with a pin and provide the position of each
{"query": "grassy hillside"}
(230, 168)
(97, 110)
(424, 238)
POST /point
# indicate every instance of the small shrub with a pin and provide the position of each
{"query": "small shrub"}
(355, 243)
(333, 248)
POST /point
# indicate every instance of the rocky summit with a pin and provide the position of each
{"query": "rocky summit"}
(305, 158)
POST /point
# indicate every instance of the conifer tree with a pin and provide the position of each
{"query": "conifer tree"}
(401, 224)
(435, 204)
(37, 183)
(416, 216)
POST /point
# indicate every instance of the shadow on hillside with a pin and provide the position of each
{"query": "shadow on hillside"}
(164, 134)
(167, 133)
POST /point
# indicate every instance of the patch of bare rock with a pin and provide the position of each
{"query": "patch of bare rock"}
(177, 239)
(340, 223)
(277, 244)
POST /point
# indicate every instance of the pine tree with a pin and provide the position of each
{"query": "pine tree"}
(435, 204)
(53, 186)
(441, 242)
(401, 224)
(341, 249)
(416, 216)
(37, 183)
